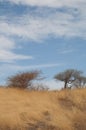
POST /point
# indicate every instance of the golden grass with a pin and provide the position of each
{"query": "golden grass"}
(24, 110)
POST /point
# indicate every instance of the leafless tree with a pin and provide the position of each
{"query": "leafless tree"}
(80, 82)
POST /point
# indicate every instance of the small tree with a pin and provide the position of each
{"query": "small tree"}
(23, 80)
(80, 82)
(68, 76)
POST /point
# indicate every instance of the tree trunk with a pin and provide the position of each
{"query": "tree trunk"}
(65, 85)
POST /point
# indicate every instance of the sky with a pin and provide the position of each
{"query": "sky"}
(48, 35)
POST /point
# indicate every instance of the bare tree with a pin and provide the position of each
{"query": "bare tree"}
(68, 76)
(80, 82)
(23, 80)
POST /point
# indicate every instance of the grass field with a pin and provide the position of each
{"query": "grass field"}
(54, 110)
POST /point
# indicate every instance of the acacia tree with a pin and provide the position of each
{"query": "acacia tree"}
(23, 80)
(68, 76)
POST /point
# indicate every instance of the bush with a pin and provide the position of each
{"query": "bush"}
(23, 80)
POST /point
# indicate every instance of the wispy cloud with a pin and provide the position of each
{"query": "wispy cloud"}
(6, 43)
(6, 51)
(42, 24)
(7, 56)
(66, 51)
(48, 3)
(33, 26)
(15, 68)
(38, 66)
(37, 28)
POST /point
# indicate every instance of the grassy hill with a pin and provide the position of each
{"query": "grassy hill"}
(55, 110)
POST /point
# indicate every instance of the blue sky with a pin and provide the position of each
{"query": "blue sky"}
(47, 35)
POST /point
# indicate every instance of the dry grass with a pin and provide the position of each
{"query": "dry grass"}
(24, 110)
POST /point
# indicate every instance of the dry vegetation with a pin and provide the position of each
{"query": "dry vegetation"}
(56, 110)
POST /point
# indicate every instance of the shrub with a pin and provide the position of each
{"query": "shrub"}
(23, 80)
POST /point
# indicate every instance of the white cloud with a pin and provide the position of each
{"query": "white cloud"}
(37, 28)
(49, 3)
(6, 54)
(6, 44)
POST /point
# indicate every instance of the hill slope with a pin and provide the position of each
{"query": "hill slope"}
(23, 110)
